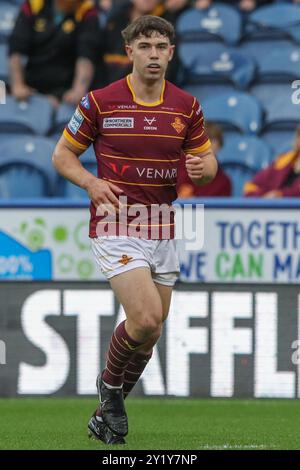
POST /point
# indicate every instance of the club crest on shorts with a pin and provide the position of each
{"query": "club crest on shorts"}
(125, 259)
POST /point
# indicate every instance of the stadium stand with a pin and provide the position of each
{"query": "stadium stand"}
(4, 73)
(228, 67)
(280, 65)
(26, 160)
(32, 116)
(241, 157)
(210, 24)
(276, 99)
(241, 75)
(8, 14)
(274, 21)
(235, 111)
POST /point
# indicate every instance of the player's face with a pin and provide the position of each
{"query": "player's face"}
(150, 55)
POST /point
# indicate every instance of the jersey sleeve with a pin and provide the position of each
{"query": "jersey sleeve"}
(197, 140)
(81, 130)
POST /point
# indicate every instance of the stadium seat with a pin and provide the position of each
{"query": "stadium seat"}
(241, 157)
(8, 14)
(62, 117)
(278, 140)
(274, 21)
(190, 52)
(4, 72)
(279, 65)
(249, 151)
(218, 21)
(26, 168)
(203, 92)
(71, 191)
(258, 49)
(33, 116)
(227, 67)
(234, 111)
(276, 99)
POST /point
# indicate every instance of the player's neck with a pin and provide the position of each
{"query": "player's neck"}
(147, 92)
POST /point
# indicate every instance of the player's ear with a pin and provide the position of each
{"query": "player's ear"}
(172, 49)
(128, 49)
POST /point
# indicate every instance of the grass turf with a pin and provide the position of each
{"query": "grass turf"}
(175, 424)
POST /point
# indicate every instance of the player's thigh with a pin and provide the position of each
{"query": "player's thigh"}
(138, 294)
(165, 293)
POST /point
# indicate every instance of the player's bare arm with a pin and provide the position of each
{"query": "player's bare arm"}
(202, 168)
(67, 163)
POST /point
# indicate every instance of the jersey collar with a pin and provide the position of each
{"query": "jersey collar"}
(143, 103)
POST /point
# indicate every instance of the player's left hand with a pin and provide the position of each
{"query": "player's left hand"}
(194, 166)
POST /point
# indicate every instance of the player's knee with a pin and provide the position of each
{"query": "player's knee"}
(149, 326)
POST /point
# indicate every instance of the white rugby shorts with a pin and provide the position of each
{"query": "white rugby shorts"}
(118, 254)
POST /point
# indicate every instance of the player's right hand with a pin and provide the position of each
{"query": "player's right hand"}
(105, 194)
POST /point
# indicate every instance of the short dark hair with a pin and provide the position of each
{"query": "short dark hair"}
(145, 26)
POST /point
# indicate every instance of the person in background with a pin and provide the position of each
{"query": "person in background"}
(281, 178)
(220, 186)
(117, 64)
(247, 6)
(203, 4)
(58, 39)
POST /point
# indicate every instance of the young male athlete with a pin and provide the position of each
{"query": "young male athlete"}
(140, 127)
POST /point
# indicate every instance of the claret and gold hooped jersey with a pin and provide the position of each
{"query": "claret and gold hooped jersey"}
(138, 145)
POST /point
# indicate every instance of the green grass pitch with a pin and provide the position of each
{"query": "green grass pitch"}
(175, 424)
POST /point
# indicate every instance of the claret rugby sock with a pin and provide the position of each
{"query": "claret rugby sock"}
(134, 370)
(121, 349)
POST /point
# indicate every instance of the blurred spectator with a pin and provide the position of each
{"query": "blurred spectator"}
(219, 187)
(247, 6)
(104, 9)
(115, 57)
(203, 4)
(281, 178)
(59, 40)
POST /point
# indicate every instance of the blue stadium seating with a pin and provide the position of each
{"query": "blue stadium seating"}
(71, 191)
(218, 21)
(62, 117)
(205, 91)
(241, 157)
(190, 53)
(234, 111)
(278, 140)
(274, 21)
(249, 151)
(258, 49)
(4, 73)
(26, 169)
(33, 116)
(8, 13)
(279, 65)
(276, 99)
(228, 67)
